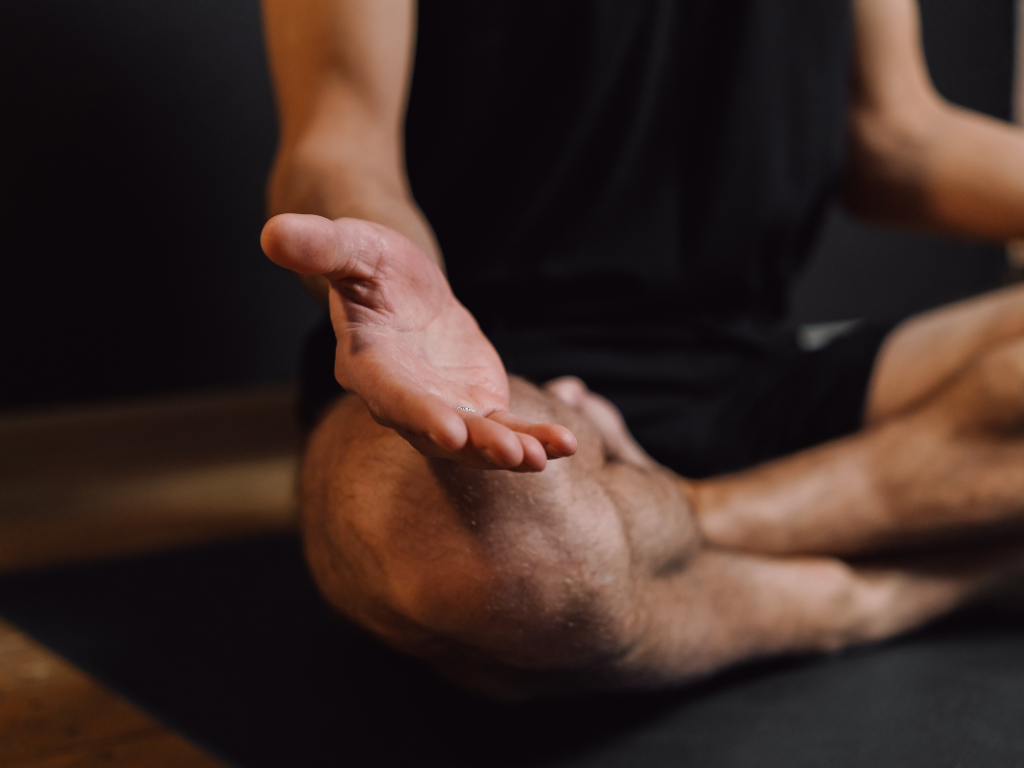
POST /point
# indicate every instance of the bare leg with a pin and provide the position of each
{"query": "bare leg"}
(590, 574)
(941, 458)
(927, 351)
(948, 470)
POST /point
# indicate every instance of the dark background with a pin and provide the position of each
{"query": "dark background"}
(134, 141)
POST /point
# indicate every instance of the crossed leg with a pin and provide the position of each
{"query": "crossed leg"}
(594, 573)
(941, 459)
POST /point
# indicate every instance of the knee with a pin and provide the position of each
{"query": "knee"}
(455, 564)
(989, 396)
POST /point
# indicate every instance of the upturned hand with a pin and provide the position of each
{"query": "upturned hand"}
(409, 349)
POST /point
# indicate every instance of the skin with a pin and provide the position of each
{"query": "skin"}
(588, 565)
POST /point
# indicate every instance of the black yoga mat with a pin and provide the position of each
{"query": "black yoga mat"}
(231, 645)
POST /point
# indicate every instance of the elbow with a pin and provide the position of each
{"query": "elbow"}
(888, 159)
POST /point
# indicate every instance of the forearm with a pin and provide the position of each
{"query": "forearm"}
(329, 182)
(914, 159)
(950, 170)
(976, 185)
(341, 71)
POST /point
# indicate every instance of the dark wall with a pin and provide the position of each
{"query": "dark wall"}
(864, 272)
(134, 141)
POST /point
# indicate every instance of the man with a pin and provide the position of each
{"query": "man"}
(633, 214)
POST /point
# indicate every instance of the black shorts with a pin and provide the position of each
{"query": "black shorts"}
(701, 401)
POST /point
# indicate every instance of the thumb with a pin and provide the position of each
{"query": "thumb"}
(313, 245)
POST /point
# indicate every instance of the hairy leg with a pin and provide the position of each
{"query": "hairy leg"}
(590, 574)
(948, 470)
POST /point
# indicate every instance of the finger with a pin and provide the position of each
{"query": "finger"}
(411, 409)
(534, 456)
(300, 242)
(558, 441)
(313, 245)
(498, 444)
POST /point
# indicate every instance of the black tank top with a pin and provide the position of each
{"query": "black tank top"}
(615, 162)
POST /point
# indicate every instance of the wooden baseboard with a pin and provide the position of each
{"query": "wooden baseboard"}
(80, 483)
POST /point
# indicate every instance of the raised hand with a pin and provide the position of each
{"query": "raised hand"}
(409, 349)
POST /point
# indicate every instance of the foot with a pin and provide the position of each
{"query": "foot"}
(409, 349)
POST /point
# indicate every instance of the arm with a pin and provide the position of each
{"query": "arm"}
(916, 160)
(341, 71)
(406, 346)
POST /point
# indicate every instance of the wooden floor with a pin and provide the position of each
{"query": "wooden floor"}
(94, 482)
(82, 483)
(52, 715)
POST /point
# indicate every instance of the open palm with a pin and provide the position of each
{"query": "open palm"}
(409, 349)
